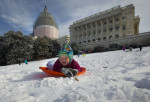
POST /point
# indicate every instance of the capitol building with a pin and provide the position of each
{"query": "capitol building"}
(45, 25)
(116, 25)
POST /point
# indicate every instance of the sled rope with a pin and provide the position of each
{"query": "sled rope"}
(76, 79)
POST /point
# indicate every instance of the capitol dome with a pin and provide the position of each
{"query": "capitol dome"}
(45, 25)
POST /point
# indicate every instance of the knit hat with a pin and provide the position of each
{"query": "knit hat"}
(66, 50)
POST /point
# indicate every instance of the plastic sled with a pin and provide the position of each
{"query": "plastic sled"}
(58, 74)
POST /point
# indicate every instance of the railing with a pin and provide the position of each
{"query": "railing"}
(98, 14)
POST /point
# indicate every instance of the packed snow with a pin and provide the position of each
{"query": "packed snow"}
(115, 76)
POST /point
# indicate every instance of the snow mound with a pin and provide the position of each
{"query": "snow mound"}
(143, 83)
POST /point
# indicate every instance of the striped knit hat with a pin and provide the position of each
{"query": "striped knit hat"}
(66, 50)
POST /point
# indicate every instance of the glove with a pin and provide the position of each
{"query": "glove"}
(69, 72)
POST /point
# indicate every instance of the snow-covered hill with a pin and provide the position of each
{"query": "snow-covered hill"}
(126, 79)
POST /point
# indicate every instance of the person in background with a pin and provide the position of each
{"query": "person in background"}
(124, 48)
(26, 62)
(19, 62)
(90, 51)
(130, 49)
(140, 46)
(65, 62)
(78, 54)
(83, 54)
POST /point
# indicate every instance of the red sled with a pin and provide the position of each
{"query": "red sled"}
(58, 74)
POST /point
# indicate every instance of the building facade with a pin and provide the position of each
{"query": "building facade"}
(45, 25)
(109, 25)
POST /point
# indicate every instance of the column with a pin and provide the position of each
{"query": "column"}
(120, 25)
(91, 29)
(82, 31)
(78, 32)
(107, 26)
(86, 31)
(113, 25)
(101, 26)
(96, 28)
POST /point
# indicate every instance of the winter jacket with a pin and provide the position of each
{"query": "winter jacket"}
(74, 65)
(26, 62)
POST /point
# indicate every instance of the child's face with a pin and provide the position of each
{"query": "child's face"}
(64, 60)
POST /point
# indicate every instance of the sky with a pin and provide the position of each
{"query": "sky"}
(20, 15)
(114, 76)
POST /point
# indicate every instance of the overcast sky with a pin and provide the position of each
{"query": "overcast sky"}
(20, 15)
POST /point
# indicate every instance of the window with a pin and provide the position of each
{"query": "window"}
(94, 32)
(105, 22)
(105, 30)
(117, 28)
(110, 36)
(123, 17)
(89, 34)
(93, 40)
(99, 31)
(117, 19)
(110, 29)
(93, 25)
(79, 42)
(117, 35)
(104, 38)
(110, 21)
(124, 27)
(99, 24)
(88, 40)
(99, 39)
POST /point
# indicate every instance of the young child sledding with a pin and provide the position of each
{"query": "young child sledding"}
(65, 63)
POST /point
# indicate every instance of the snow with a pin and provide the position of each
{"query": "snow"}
(114, 76)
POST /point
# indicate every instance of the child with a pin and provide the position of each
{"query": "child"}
(66, 64)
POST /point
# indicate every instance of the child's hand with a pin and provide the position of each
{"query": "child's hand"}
(69, 72)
